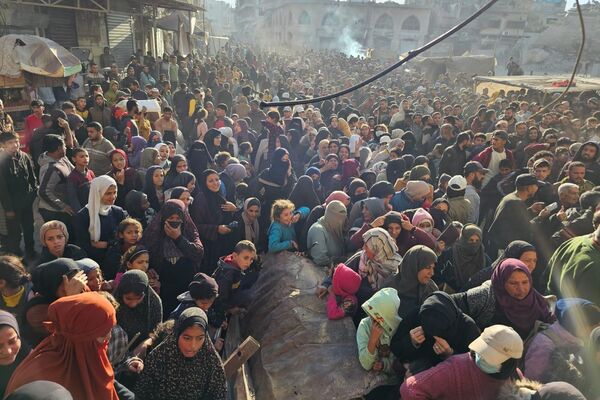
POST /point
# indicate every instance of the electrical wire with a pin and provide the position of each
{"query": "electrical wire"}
(575, 67)
(411, 54)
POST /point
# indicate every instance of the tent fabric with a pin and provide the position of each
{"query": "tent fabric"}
(37, 55)
(303, 354)
(542, 83)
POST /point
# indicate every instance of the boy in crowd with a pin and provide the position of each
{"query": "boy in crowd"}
(18, 186)
(78, 181)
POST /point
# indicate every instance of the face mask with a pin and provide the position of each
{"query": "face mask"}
(485, 366)
(361, 196)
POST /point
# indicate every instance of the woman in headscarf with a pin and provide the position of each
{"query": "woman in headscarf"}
(74, 356)
(149, 158)
(404, 233)
(183, 179)
(14, 349)
(377, 261)
(54, 238)
(518, 249)
(153, 186)
(96, 224)
(213, 140)
(322, 148)
(350, 171)
(163, 154)
(230, 177)
(154, 138)
(326, 239)
(138, 144)
(370, 209)
(175, 250)
(303, 194)
(241, 132)
(357, 190)
(140, 308)
(228, 142)
(199, 159)
(413, 281)
(126, 177)
(185, 365)
(433, 332)
(395, 170)
(178, 165)
(247, 227)
(317, 212)
(277, 181)
(138, 207)
(508, 299)
(457, 264)
(212, 213)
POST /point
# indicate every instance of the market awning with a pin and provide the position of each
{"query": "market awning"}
(542, 83)
(37, 55)
(173, 5)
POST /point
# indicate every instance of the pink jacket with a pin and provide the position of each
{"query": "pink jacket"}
(456, 378)
(345, 285)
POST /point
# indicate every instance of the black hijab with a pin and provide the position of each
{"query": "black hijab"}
(170, 176)
(353, 186)
(199, 158)
(48, 277)
(214, 200)
(304, 194)
(277, 173)
(515, 249)
(209, 139)
(150, 189)
(133, 203)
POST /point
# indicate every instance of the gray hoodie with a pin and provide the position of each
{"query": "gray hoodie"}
(53, 182)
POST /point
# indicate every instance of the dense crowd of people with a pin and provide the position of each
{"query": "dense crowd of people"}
(460, 231)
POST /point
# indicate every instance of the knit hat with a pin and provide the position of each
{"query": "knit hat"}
(420, 216)
(8, 319)
(203, 287)
(416, 189)
(53, 225)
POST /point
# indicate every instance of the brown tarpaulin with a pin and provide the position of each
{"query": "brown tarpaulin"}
(303, 354)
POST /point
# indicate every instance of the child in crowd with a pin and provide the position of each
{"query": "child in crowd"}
(375, 332)
(282, 235)
(245, 152)
(91, 268)
(138, 258)
(342, 301)
(202, 292)
(129, 233)
(15, 285)
(229, 274)
(78, 181)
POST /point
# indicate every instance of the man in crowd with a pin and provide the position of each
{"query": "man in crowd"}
(98, 148)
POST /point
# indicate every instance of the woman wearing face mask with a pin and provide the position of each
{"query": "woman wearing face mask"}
(479, 374)
(74, 356)
(212, 215)
(357, 190)
(413, 281)
(518, 249)
(54, 238)
(508, 298)
(97, 222)
(464, 259)
(424, 221)
(127, 178)
(140, 308)
(326, 238)
(175, 251)
(185, 365)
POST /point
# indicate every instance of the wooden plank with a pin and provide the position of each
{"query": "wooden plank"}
(240, 356)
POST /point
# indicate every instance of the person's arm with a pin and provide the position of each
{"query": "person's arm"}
(317, 246)
(72, 196)
(82, 234)
(147, 387)
(365, 357)
(50, 180)
(191, 248)
(334, 311)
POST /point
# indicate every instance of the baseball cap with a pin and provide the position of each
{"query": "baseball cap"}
(457, 182)
(475, 166)
(497, 344)
(527, 180)
(385, 139)
(501, 135)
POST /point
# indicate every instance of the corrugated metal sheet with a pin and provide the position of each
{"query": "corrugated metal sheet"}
(62, 27)
(120, 37)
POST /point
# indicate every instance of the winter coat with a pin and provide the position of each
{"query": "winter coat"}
(486, 156)
(453, 161)
(346, 283)
(53, 183)
(322, 246)
(456, 378)
(460, 209)
(401, 202)
(18, 182)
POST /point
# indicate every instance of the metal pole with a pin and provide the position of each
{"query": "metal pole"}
(143, 47)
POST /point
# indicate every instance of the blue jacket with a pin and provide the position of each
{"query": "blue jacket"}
(281, 236)
(401, 202)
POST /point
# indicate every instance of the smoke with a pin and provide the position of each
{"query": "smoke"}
(348, 45)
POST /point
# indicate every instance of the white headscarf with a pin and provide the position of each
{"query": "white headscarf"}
(157, 147)
(98, 187)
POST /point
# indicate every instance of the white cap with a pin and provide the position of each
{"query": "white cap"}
(385, 139)
(457, 182)
(497, 344)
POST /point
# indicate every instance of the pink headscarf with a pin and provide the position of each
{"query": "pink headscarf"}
(337, 195)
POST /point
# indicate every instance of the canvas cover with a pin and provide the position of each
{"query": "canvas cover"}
(36, 55)
(303, 354)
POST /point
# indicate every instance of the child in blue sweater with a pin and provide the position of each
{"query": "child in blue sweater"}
(282, 235)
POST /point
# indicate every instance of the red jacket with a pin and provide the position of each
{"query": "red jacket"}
(486, 156)
(456, 378)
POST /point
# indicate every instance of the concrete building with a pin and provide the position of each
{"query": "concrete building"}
(220, 16)
(352, 27)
